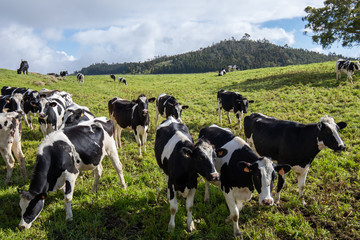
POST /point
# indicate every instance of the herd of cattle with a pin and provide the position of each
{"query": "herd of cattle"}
(75, 140)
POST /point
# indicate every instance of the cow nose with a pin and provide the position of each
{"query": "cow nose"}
(41, 115)
(267, 202)
(21, 228)
(20, 111)
(145, 111)
(342, 147)
(215, 176)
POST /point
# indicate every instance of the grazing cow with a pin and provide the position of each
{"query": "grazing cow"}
(347, 67)
(122, 80)
(24, 67)
(10, 140)
(182, 161)
(63, 73)
(11, 103)
(222, 72)
(74, 114)
(241, 171)
(232, 101)
(292, 143)
(60, 158)
(30, 101)
(131, 115)
(80, 77)
(113, 77)
(166, 106)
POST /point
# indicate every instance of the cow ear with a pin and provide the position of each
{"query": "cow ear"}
(251, 101)
(53, 104)
(26, 99)
(185, 107)
(221, 152)
(282, 169)
(187, 152)
(244, 166)
(342, 125)
(134, 101)
(152, 100)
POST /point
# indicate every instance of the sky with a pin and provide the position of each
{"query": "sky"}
(68, 35)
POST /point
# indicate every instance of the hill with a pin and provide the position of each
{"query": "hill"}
(302, 93)
(244, 53)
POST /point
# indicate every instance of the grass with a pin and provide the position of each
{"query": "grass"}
(301, 93)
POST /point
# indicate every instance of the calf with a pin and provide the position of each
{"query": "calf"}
(74, 114)
(60, 158)
(241, 170)
(10, 140)
(232, 101)
(131, 115)
(292, 143)
(11, 103)
(80, 77)
(166, 106)
(182, 161)
(24, 67)
(347, 67)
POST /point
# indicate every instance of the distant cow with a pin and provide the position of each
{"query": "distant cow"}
(166, 106)
(232, 101)
(222, 72)
(74, 114)
(11, 103)
(292, 143)
(113, 77)
(347, 67)
(131, 115)
(241, 171)
(24, 67)
(122, 80)
(10, 141)
(63, 73)
(182, 161)
(60, 158)
(80, 77)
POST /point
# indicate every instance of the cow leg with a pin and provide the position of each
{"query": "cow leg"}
(301, 176)
(144, 136)
(138, 141)
(189, 207)
(118, 130)
(19, 155)
(280, 185)
(173, 209)
(9, 161)
(239, 116)
(115, 161)
(228, 116)
(97, 172)
(234, 212)
(349, 77)
(219, 110)
(27, 119)
(68, 195)
(156, 117)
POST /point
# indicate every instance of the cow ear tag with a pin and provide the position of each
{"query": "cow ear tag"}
(281, 172)
(42, 196)
(220, 153)
(246, 169)
(82, 114)
(187, 155)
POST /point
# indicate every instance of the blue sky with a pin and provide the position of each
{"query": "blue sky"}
(68, 35)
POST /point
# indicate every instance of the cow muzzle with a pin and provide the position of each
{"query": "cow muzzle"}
(42, 115)
(340, 148)
(267, 202)
(215, 176)
(21, 228)
(145, 112)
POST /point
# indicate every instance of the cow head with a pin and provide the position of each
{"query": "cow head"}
(242, 104)
(44, 105)
(357, 65)
(204, 156)
(142, 105)
(31, 103)
(328, 135)
(73, 117)
(175, 110)
(14, 103)
(31, 205)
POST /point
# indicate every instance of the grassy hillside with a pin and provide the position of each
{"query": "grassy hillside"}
(301, 93)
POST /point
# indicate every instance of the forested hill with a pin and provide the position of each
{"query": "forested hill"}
(245, 53)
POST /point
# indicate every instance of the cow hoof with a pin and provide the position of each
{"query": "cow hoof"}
(171, 228)
(191, 227)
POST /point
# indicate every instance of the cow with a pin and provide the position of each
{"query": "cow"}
(222, 72)
(11, 103)
(10, 141)
(232, 101)
(113, 77)
(63, 73)
(80, 77)
(241, 171)
(122, 80)
(61, 156)
(167, 105)
(182, 161)
(30, 101)
(74, 114)
(347, 67)
(292, 143)
(131, 115)
(24, 67)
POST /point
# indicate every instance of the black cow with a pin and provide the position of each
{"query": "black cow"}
(60, 158)
(292, 143)
(241, 171)
(166, 106)
(24, 67)
(182, 161)
(113, 77)
(232, 101)
(131, 115)
(30, 101)
(63, 73)
(11, 103)
(346, 67)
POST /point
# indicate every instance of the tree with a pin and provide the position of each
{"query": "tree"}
(338, 20)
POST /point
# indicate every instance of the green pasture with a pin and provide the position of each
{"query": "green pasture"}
(303, 93)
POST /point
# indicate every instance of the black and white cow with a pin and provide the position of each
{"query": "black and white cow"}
(222, 72)
(10, 141)
(167, 105)
(74, 114)
(24, 67)
(11, 103)
(241, 171)
(63, 73)
(80, 77)
(113, 77)
(131, 115)
(292, 143)
(30, 101)
(182, 161)
(232, 101)
(347, 67)
(60, 158)
(122, 80)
